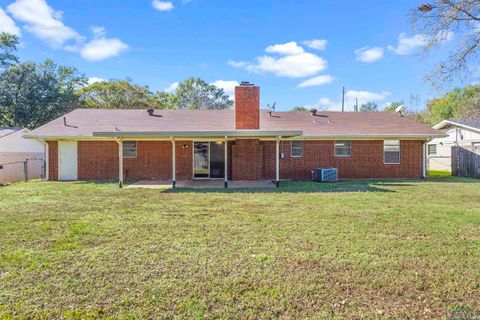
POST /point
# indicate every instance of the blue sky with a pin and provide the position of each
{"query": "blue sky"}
(367, 46)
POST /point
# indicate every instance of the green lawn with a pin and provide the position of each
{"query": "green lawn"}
(393, 249)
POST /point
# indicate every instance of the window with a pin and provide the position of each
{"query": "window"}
(432, 149)
(129, 149)
(343, 148)
(297, 149)
(391, 151)
(476, 147)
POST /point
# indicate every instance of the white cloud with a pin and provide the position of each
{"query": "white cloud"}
(228, 86)
(368, 55)
(293, 62)
(407, 45)
(44, 22)
(350, 100)
(92, 80)
(7, 24)
(172, 87)
(289, 48)
(316, 81)
(162, 5)
(101, 48)
(317, 44)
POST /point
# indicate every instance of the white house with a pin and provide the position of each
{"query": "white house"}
(14, 150)
(463, 133)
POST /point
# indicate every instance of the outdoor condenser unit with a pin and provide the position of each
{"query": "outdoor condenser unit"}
(327, 174)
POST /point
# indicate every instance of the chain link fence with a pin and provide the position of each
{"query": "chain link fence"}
(22, 170)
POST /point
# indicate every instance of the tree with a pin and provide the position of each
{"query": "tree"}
(299, 109)
(438, 20)
(8, 47)
(457, 104)
(32, 94)
(117, 94)
(369, 107)
(195, 93)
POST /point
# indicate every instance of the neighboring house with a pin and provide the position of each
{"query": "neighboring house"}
(463, 133)
(14, 150)
(241, 144)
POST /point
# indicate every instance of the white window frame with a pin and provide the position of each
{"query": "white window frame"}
(135, 149)
(349, 155)
(301, 148)
(399, 152)
(429, 146)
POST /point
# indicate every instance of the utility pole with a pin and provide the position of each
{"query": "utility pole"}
(343, 99)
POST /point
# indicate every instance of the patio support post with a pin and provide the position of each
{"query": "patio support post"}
(424, 159)
(277, 162)
(226, 163)
(120, 163)
(174, 164)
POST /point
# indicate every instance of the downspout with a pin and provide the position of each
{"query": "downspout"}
(424, 158)
(174, 164)
(120, 162)
(226, 162)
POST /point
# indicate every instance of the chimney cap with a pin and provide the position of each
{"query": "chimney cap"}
(246, 83)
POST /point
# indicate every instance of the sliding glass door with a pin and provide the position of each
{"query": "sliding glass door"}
(208, 160)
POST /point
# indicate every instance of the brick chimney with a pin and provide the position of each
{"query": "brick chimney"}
(247, 106)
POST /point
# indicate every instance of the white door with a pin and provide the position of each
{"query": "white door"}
(67, 160)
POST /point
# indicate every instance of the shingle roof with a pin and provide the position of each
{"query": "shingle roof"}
(474, 123)
(6, 131)
(85, 122)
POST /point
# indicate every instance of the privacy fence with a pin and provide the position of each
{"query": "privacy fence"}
(465, 163)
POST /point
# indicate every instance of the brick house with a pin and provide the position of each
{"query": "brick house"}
(246, 143)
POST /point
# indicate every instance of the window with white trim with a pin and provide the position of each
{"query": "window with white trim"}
(297, 148)
(432, 149)
(343, 148)
(391, 151)
(129, 149)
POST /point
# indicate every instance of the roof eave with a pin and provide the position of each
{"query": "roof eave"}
(443, 123)
(236, 133)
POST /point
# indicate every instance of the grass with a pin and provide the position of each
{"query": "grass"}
(381, 250)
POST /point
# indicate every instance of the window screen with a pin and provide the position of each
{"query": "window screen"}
(432, 149)
(297, 148)
(391, 151)
(129, 149)
(343, 148)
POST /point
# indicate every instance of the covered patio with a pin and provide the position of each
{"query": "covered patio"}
(210, 155)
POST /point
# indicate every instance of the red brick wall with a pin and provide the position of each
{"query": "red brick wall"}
(366, 161)
(153, 161)
(97, 160)
(247, 159)
(53, 160)
(184, 156)
(247, 107)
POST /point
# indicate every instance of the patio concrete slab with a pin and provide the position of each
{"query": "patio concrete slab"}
(203, 184)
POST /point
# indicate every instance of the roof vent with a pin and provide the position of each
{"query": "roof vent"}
(150, 112)
(313, 112)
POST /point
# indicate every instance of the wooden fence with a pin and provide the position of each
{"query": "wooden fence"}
(465, 163)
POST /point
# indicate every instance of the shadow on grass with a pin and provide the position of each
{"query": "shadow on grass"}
(294, 187)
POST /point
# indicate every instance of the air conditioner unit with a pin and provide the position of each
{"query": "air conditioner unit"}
(327, 174)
